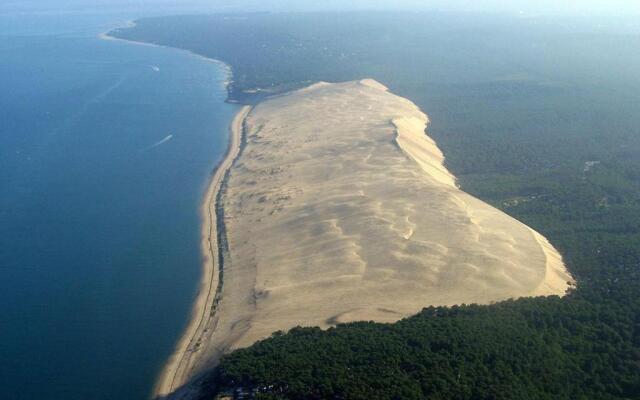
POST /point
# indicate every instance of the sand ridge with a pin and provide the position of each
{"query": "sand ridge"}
(340, 208)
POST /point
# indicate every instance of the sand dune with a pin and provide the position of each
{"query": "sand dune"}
(340, 209)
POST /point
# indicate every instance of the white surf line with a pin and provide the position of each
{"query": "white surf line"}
(158, 143)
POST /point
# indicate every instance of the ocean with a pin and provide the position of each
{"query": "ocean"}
(106, 148)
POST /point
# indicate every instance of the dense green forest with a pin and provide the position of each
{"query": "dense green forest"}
(538, 117)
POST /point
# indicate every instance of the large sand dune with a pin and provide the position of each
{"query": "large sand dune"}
(339, 208)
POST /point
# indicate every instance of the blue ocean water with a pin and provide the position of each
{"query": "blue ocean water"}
(99, 228)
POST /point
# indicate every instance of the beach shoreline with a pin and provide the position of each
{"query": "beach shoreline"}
(177, 371)
(106, 35)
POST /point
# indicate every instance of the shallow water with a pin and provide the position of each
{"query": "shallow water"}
(105, 150)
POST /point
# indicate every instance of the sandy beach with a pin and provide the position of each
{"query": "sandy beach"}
(179, 367)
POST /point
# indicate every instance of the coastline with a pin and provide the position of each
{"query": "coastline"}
(176, 371)
(179, 366)
(130, 24)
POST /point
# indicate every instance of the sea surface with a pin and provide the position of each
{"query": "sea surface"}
(106, 148)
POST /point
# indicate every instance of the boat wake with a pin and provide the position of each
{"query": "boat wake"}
(158, 143)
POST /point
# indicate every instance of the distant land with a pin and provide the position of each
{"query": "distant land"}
(531, 123)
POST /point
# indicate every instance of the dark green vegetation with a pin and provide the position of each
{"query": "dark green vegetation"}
(541, 118)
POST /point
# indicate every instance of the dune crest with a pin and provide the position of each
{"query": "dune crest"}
(339, 208)
(422, 149)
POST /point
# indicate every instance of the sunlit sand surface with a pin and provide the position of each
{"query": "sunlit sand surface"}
(340, 209)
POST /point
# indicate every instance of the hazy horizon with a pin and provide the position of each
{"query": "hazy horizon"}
(584, 8)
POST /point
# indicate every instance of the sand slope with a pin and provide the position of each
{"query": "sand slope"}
(340, 209)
